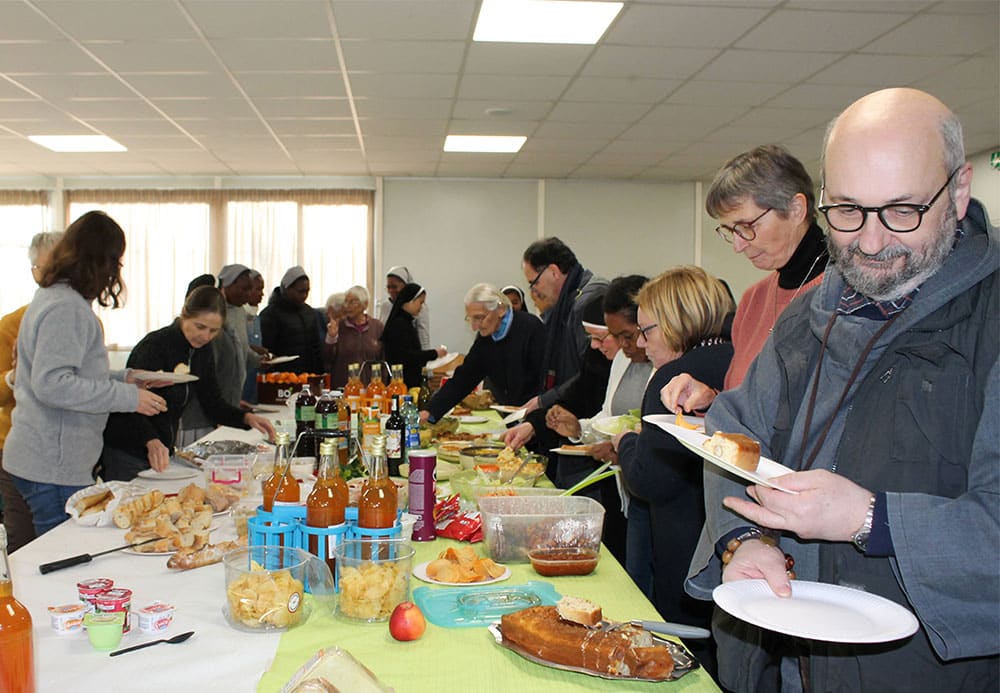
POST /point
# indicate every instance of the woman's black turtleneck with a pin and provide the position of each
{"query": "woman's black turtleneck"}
(804, 266)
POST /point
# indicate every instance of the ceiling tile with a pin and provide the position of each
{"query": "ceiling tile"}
(243, 55)
(525, 59)
(40, 57)
(261, 18)
(655, 62)
(21, 23)
(520, 110)
(881, 70)
(770, 66)
(404, 108)
(710, 93)
(412, 56)
(204, 107)
(304, 108)
(404, 19)
(183, 55)
(564, 130)
(597, 112)
(404, 127)
(491, 127)
(118, 19)
(154, 86)
(306, 126)
(61, 87)
(841, 31)
(682, 26)
(607, 171)
(531, 88)
(958, 34)
(821, 96)
(292, 84)
(404, 86)
(620, 89)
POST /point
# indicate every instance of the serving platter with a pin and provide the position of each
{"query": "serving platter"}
(573, 450)
(420, 572)
(168, 474)
(153, 376)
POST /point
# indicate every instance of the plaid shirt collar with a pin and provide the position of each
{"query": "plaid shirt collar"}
(854, 303)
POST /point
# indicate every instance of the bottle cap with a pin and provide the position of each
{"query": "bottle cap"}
(377, 445)
(328, 447)
(282, 438)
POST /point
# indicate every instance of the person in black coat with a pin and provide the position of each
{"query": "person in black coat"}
(133, 442)
(400, 337)
(507, 353)
(681, 317)
(288, 324)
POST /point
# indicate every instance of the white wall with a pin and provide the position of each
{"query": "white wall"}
(986, 184)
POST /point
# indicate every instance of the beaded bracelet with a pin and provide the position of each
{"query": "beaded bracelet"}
(736, 542)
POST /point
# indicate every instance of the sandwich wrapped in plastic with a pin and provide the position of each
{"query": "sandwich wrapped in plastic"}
(334, 669)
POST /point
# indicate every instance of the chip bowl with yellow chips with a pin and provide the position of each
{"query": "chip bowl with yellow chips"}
(265, 587)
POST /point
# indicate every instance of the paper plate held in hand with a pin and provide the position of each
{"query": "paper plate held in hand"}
(172, 378)
(694, 441)
(168, 474)
(818, 611)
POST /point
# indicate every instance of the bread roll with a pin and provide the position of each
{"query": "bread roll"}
(736, 449)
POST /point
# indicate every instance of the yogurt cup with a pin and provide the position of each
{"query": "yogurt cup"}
(156, 617)
(68, 618)
(115, 601)
(89, 589)
(104, 630)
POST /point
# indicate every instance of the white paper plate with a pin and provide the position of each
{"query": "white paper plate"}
(279, 359)
(472, 419)
(150, 376)
(505, 408)
(169, 474)
(438, 362)
(693, 441)
(420, 572)
(817, 611)
(573, 450)
(136, 552)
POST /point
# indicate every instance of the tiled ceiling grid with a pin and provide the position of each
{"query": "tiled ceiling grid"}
(371, 87)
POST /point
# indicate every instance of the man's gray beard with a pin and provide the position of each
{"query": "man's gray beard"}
(917, 267)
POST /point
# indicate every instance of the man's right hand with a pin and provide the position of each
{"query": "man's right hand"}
(516, 437)
(686, 393)
(754, 559)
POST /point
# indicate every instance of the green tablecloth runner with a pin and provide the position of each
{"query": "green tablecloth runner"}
(469, 658)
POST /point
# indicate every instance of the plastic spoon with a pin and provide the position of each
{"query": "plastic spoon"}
(181, 637)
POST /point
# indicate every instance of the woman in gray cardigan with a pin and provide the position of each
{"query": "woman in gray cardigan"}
(63, 384)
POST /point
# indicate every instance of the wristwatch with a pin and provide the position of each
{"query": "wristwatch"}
(860, 538)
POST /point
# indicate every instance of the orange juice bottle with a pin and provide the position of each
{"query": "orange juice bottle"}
(376, 388)
(354, 390)
(326, 504)
(281, 488)
(397, 387)
(17, 664)
(378, 504)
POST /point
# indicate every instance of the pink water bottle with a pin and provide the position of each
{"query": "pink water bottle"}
(422, 465)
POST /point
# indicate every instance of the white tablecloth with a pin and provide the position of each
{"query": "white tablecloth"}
(218, 656)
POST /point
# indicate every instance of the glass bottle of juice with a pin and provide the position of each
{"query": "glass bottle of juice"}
(375, 393)
(377, 504)
(17, 664)
(326, 503)
(305, 420)
(344, 426)
(371, 426)
(354, 390)
(281, 488)
(424, 395)
(397, 386)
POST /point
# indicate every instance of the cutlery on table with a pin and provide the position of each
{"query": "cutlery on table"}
(181, 637)
(680, 630)
(85, 557)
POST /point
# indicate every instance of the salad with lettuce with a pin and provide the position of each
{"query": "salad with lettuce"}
(613, 425)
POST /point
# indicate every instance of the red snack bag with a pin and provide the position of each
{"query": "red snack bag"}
(463, 527)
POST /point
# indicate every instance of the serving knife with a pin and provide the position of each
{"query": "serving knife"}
(680, 630)
(86, 557)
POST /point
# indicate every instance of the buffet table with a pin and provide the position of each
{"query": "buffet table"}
(231, 660)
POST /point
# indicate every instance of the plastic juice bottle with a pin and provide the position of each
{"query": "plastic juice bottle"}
(397, 386)
(376, 388)
(17, 663)
(326, 503)
(281, 488)
(395, 438)
(412, 418)
(377, 505)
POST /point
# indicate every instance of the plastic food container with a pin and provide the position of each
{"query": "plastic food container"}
(156, 617)
(265, 586)
(471, 486)
(373, 576)
(234, 471)
(89, 589)
(515, 525)
(117, 600)
(563, 561)
(68, 618)
(104, 630)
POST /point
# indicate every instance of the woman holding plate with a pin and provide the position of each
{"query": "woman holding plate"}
(133, 443)
(680, 322)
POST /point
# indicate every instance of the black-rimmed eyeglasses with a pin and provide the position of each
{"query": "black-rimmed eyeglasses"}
(644, 331)
(901, 217)
(743, 229)
(531, 284)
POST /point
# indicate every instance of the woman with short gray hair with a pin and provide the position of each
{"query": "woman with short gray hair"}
(507, 354)
(356, 339)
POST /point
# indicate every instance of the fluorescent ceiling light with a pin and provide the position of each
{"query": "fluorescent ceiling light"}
(78, 143)
(544, 21)
(483, 143)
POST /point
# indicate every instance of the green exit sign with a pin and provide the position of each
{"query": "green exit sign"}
(995, 160)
